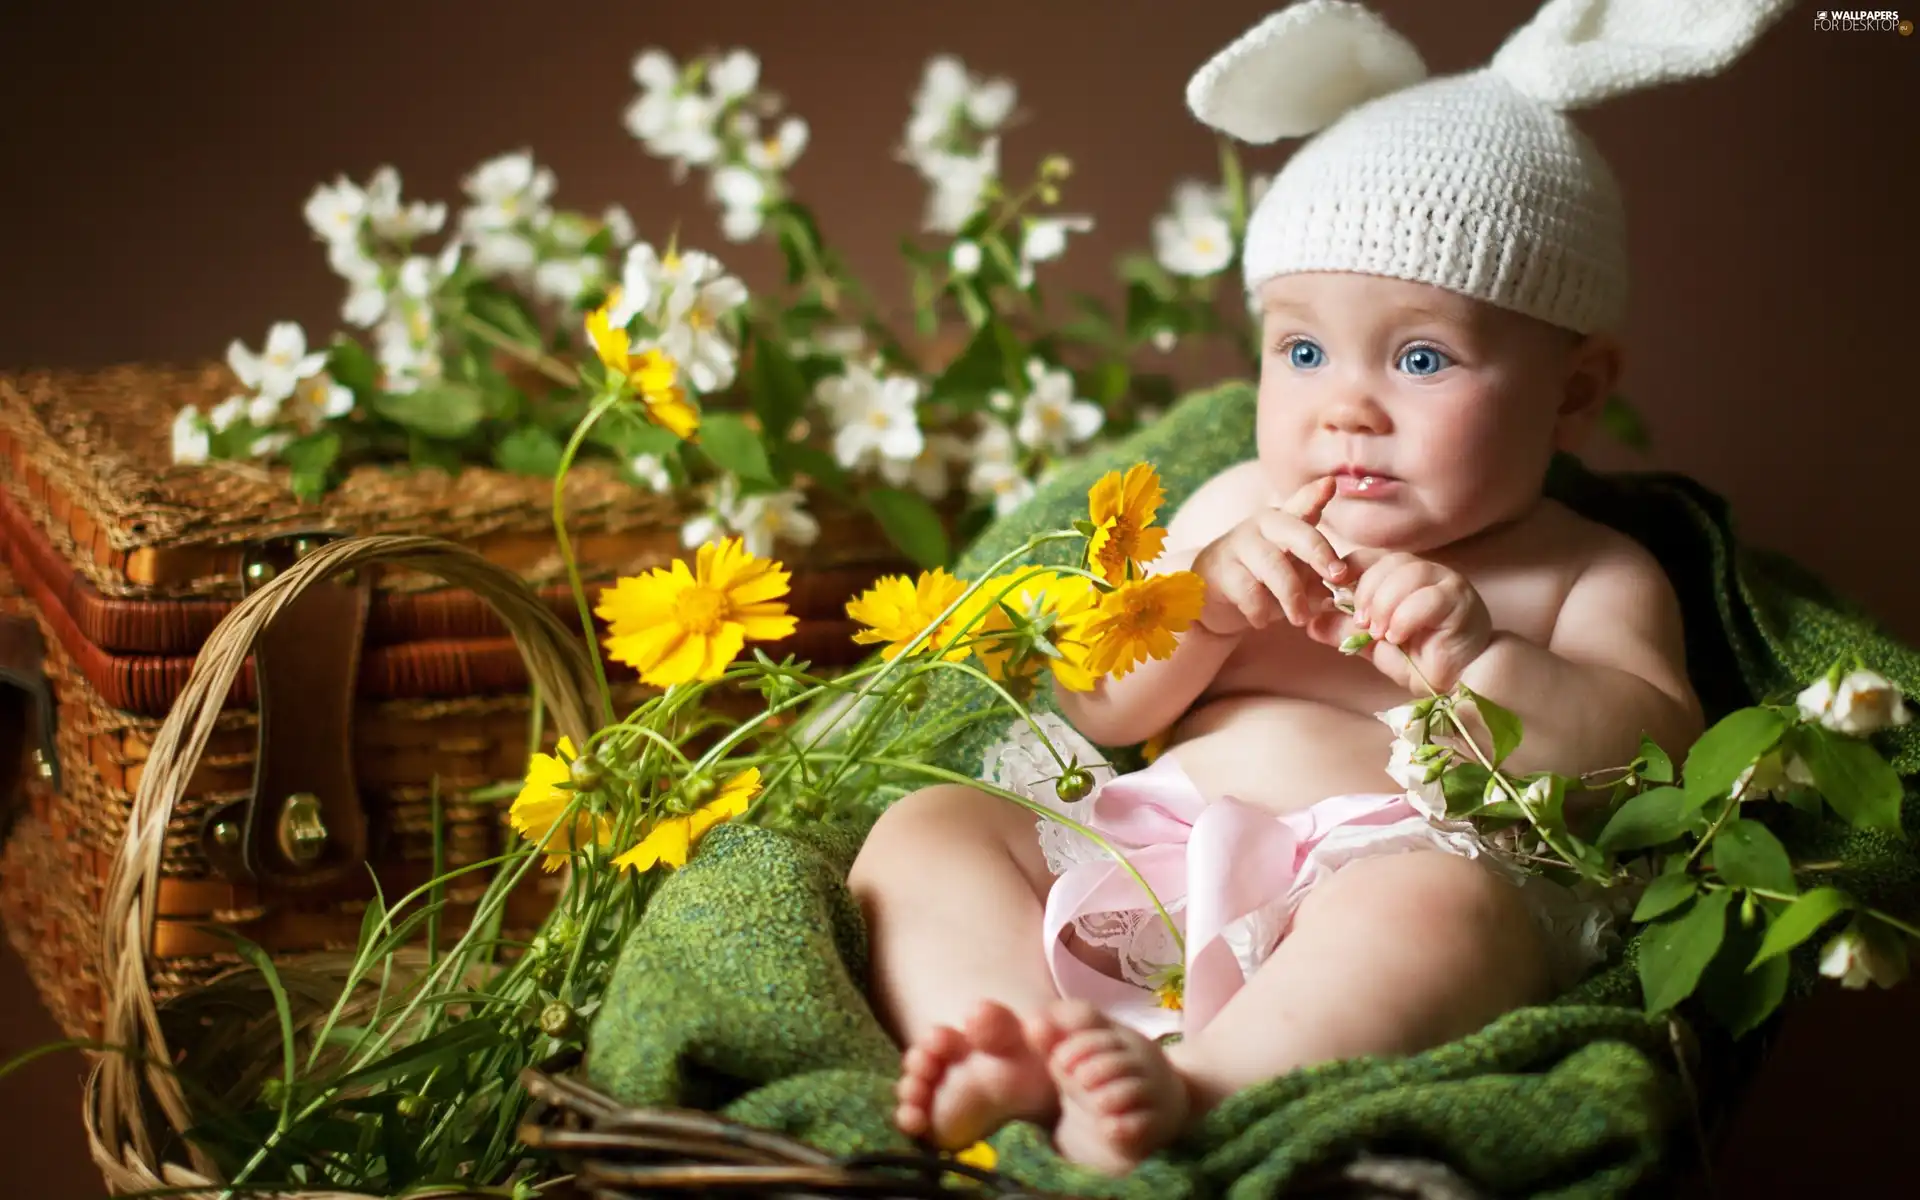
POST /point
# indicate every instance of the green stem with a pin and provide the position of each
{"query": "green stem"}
(580, 431)
(540, 361)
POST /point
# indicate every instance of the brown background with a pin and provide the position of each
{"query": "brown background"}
(154, 158)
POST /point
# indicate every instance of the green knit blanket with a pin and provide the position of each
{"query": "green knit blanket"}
(743, 989)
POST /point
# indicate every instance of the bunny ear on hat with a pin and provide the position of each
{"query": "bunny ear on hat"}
(1575, 53)
(1296, 72)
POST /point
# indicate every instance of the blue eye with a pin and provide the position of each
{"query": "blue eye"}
(1306, 354)
(1423, 360)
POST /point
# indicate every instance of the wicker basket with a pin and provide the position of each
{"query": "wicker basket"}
(126, 1098)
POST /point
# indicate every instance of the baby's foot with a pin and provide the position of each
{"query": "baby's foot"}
(959, 1085)
(1120, 1099)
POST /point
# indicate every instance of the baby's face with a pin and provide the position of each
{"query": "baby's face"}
(1437, 414)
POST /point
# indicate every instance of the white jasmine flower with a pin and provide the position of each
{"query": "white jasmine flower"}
(191, 441)
(996, 472)
(1046, 240)
(1408, 723)
(959, 185)
(419, 276)
(389, 220)
(874, 418)
(263, 410)
(695, 336)
(964, 258)
(654, 69)
(1772, 774)
(563, 279)
(1052, 418)
(651, 471)
(222, 416)
(284, 362)
(323, 398)
(742, 195)
(1420, 780)
(336, 211)
(991, 102)
(689, 134)
(734, 75)
(927, 471)
(1164, 340)
(1194, 198)
(619, 224)
(640, 280)
(269, 444)
(942, 97)
(1195, 244)
(503, 252)
(780, 151)
(1856, 959)
(506, 190)
(1863, 702)
(770, 518)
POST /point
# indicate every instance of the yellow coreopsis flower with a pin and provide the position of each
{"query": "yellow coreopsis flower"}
(1139, 619)
(979, 1155)
(896, 610)
(542, 804)
(653, 375)
(674, 625)
(673, 839)
(1063, 603)
(1123, 508)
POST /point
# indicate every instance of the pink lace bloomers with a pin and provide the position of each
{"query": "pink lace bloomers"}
(1230, 875)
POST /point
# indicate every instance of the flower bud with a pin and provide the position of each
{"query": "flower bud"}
(557, 1019)
(1074, 784)
(550, 975)
(1354, 643)
(1056, 166)
(411, 1105)
(273, 1090)
(1049, 194)
(586, 773)
(1749, 911)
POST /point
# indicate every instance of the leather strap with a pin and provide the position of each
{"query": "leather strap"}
(26, 706)
(305, 827)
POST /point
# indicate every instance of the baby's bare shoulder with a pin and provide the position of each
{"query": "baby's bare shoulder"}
(1586, 547)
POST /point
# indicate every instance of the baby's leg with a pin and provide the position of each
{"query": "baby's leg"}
(1391, 955)
(952, 882)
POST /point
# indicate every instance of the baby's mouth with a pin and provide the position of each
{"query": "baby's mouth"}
(1361, 484)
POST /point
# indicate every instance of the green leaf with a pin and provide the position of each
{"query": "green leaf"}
(989, 363)
(735, 446)
(816, 464)
(1501, 723)
(506, 312)
(446, 410)
(1802, 919)
(312, 458)
(352, 367)
(529, 450)
(911, 523)
(1747, 855)
(1663, 895)
(1464, 785)
(1144, 271)
(1861, 785)
(1652, 818)
(263, 963)
(445, 1048)
(1729, 748)
(799, 237)
(778, 389)
(1674, 952)
(1658, 767)
(1739, 997)
(423, 451)
(1622, 420)
(1146, 312)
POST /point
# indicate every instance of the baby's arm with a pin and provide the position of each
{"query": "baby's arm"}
(1121, 712)
(1615, 667)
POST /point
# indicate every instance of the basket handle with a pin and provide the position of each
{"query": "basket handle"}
(556, 662)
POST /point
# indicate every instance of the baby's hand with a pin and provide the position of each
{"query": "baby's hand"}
(1430, 611)
(1270, 566)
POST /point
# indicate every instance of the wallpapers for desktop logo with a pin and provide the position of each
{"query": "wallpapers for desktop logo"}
(1857, 20)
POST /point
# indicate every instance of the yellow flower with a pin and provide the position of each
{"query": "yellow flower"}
(542, 803)
(1139, 619)
(1156, 745)
(653, 375)
(1123, 507)
(979, 1155)
(895, 610)
(675, 625)
(672, 840)
(1167, 995)
(1062, 605)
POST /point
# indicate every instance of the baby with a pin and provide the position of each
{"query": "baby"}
(1437, 275)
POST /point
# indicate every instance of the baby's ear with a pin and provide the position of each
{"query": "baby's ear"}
(1592, 371)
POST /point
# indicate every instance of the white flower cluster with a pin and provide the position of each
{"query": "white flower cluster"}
(1855, 703)
(711, 113)
(369, 236)
(515, 232)
(284, 381)
(689, 299)
(952, 139)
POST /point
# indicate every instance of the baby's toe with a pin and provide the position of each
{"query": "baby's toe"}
(943, 1042)
(1121, 1097)
(1076, 1048)
(994, 1029)
(1095, 1071)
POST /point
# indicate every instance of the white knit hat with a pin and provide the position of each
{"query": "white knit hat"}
(1477, 183)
